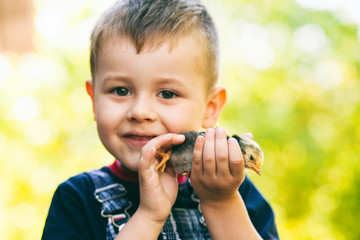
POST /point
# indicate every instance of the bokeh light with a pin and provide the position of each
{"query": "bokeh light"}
(310, 38)
(291, 68)
(37, 132)
(26, 108)
(6, 70)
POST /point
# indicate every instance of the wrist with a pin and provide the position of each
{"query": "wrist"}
(150, 218)
(221, 202)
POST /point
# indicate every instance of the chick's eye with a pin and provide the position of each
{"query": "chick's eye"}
(251, 158)
(167, 94)
(121, 91)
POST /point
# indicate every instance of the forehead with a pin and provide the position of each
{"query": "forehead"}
(190, 47)
(184, 55)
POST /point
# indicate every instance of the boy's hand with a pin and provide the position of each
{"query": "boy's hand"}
(218, 167)
(217, 172)
(157, 191)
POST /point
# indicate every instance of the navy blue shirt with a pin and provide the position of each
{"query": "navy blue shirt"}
(75, 213)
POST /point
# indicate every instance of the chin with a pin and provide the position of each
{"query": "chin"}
(128, 160)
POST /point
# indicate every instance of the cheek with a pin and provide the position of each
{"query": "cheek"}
(103, 127)
(107, 124)
(103, 119)
(107, 117)
(182, 119)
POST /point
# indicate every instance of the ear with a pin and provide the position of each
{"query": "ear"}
(215, 105)
(90, 91)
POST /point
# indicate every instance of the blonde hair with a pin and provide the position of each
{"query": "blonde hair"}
(152, 22)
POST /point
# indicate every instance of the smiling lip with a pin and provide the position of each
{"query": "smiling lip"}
(137, 141)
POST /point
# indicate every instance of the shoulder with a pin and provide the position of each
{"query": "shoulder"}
(79, 183)
(78, 186)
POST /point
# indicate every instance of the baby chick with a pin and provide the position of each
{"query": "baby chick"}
(180, 156)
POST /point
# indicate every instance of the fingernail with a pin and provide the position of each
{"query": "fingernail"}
(210, 131)
(220, 130)
(199, 139)
(232, 140)
(167, 136)
(179, 137)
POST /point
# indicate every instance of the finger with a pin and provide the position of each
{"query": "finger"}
(165, 140)
(236, 160)
(248, 135)
(146, 159)
(221, 151)
(176, 139)
(196, 169)
(208, 158)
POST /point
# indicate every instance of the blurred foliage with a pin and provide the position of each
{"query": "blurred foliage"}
(292, 71)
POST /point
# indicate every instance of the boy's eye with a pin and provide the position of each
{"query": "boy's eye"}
(167, 94)
(121, 91)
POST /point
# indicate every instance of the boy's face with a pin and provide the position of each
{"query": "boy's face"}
(137, 97)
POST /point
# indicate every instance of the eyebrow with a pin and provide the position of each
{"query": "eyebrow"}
(170, 80)
(117, 78)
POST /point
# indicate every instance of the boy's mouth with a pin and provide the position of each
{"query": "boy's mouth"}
(137, 141)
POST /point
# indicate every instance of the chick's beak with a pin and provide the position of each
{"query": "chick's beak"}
(256, 168)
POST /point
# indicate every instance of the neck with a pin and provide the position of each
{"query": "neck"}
(124, 173)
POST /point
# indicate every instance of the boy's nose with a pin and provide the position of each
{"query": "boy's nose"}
(141, 110)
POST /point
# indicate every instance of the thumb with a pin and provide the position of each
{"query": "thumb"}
(146, 159)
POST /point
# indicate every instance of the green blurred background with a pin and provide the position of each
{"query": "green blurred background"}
(292, 71)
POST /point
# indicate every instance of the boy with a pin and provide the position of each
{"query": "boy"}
(154, 68)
